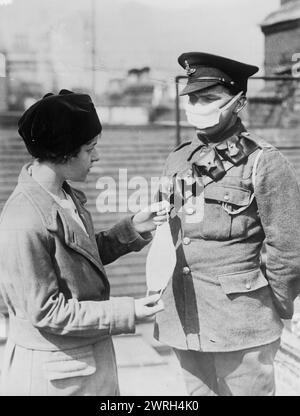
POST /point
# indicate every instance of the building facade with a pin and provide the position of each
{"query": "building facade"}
(278, 103)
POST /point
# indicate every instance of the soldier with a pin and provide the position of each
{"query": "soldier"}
(233, 192)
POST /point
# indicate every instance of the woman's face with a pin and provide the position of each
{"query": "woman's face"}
(77, 168)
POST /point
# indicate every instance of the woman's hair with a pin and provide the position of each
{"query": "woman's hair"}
(58, 158)
(46, 156)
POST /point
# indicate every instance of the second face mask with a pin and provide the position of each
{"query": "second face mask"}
(161, 259)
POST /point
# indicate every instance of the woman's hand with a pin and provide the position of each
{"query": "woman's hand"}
(148, 306)
(149, 218)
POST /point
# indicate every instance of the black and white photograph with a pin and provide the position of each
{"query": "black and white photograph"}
(149, 200)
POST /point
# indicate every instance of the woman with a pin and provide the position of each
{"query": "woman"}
(51, 261)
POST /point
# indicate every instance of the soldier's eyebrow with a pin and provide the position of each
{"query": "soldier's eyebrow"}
(205, 95)
(210, 95)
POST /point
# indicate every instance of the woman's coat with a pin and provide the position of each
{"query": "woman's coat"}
(54, 283)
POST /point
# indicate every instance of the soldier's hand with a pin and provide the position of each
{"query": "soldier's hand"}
(148, 306)
(151, 217)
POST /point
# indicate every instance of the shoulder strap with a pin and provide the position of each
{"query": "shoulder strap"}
(181, 145)
(256, 139)
(255, 166)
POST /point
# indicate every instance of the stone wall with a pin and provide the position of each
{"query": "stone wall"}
(281, 43)
(278, 103)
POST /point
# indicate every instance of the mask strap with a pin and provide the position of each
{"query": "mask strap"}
(243, 106)
(234, 99)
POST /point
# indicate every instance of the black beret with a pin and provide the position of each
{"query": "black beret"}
(206, 70)
(59, 123)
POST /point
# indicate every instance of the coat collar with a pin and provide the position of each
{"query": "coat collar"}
(53, 214)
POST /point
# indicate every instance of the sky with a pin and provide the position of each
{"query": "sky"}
(183, 4)
(138, 33)
(158, 30)
(225, 27)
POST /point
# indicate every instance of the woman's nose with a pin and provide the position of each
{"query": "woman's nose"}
(95, 156)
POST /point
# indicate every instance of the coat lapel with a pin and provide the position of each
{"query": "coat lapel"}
(77, 239)
(52, 212)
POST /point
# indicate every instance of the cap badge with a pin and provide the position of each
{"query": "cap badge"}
(189, 70)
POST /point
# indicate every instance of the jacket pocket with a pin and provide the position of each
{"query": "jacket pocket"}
(225, 211)
(247, 281)
(70, 363)
(232, 195)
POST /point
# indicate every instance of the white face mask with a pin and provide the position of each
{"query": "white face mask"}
(161, 259)
(203, 116)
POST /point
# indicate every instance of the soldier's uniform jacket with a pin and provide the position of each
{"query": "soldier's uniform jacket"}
(222, 297)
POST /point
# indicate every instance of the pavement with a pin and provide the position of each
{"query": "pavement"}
(148, 368)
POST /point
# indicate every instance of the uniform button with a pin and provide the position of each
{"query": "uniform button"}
(186, 270)
(226, 197)
(186, 240)
(248, 286)
(189, 211)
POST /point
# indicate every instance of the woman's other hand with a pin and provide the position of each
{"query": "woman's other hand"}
(148, 306)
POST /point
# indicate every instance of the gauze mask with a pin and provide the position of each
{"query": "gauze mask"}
(161, 259)
(204, 116)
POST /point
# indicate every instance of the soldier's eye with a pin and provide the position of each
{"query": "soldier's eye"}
(193, 99)
(207, 99)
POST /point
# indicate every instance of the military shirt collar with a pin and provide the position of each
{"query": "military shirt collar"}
(202, 140)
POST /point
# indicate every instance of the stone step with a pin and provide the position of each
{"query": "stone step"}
(134, 351)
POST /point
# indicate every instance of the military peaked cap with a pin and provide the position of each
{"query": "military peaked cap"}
(205, 70)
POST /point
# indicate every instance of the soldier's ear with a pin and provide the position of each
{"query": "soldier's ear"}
(242, 101)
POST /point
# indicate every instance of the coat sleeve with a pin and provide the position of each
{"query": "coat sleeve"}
(30, 275)
(119, 240)
(278, 200)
